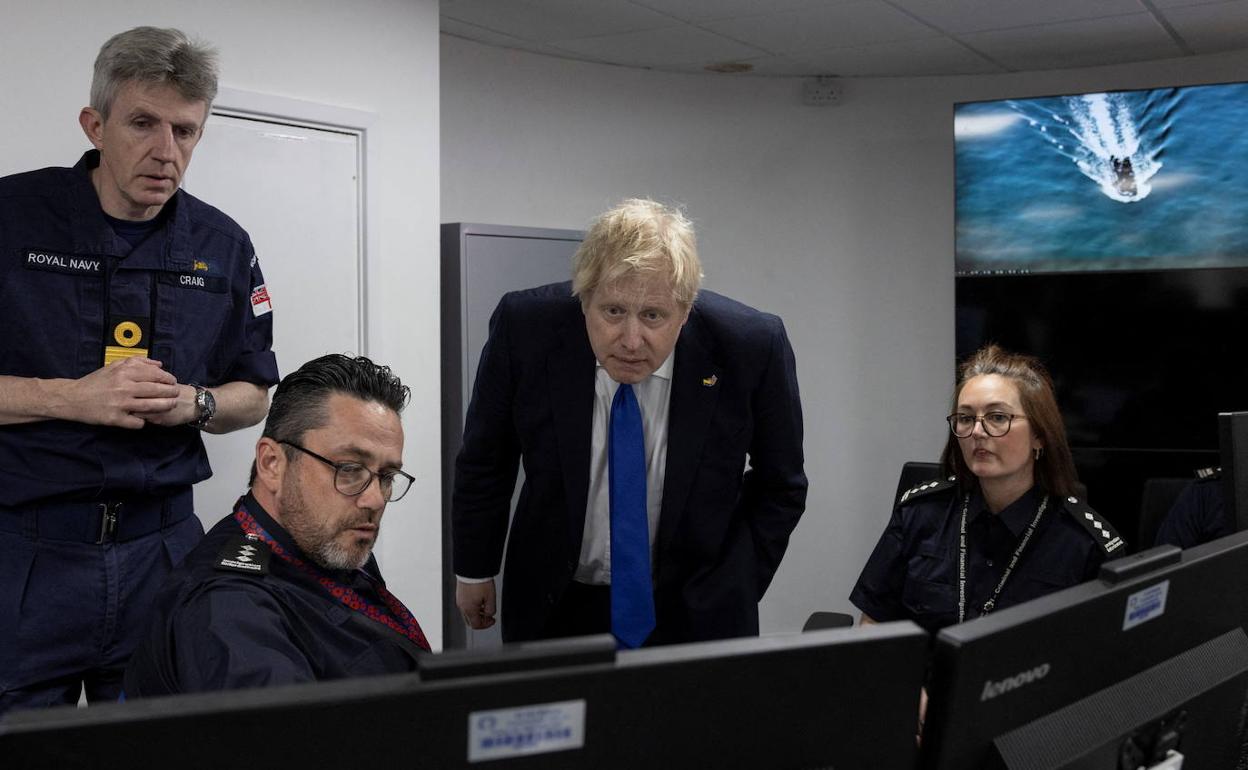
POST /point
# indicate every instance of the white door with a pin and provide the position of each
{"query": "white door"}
(296, 191)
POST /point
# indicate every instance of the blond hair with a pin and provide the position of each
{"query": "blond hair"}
(639, 237)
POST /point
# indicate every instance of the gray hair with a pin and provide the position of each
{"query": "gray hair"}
(154, 55)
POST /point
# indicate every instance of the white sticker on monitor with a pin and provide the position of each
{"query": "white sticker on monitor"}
(515, 732)
(1143, 606)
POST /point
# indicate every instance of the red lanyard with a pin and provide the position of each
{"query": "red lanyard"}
(398, 617)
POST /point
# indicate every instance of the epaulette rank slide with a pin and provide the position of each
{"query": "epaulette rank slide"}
(1100, 529)
(243, 554)
(926, 488)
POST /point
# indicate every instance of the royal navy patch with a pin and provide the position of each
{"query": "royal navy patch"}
(1101, 531)
(243, 554)
(926, 488)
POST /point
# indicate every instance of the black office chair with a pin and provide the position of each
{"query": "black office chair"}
(913, 474)
(819, 621)
(1159, 497)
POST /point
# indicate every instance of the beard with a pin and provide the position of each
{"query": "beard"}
(318, 537)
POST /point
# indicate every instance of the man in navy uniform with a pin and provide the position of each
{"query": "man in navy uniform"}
(135, 317)
(285, 589)
(634, 401)
(1199, 514)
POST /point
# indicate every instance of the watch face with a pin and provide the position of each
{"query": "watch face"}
(207, 405)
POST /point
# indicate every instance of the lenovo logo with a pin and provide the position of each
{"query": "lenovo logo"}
(993, 689)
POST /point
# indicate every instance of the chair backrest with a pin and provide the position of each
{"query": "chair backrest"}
(1158, 499)
(819, 621)
(913, 474)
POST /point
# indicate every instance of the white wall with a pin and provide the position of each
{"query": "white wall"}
(375, 55)
(839, 218)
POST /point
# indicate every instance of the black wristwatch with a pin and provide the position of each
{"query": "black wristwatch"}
(205, 405)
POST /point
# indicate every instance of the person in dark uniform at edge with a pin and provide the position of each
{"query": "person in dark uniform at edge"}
(1009, 480)
(660, 534)
(1198, 515)
(135, 317)
(285, 589)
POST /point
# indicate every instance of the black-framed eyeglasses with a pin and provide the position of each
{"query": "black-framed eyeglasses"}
(352, 479)
(996, 424)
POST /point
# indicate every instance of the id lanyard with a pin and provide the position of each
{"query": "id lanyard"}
(992, 600)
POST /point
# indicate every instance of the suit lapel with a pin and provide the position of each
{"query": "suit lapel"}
(692, 407)
(570, 370)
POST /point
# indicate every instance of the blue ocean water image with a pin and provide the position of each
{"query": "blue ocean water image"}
(1122, 180)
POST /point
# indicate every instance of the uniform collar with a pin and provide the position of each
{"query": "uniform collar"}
(1016, 516)
(284, 539)
(93, 234)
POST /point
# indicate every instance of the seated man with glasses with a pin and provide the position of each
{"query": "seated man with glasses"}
(1004, 523)
(285, 589)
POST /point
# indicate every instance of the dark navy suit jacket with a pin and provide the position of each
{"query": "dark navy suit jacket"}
(723, 526)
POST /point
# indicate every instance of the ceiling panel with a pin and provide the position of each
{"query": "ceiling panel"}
(765, 66)
(1164, 4)
(712, 10)
(1213, 27)
(861, 38)
(826, 26)
(1077, 44)
(960, 16)
(904, 58)
(546, 20)
(682, 44)
(489, 37)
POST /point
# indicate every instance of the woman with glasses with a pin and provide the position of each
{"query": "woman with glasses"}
(1004, 523)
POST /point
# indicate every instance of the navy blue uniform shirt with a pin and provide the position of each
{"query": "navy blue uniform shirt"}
(74, 294)
(1197, 516)
(913, 572)
(237, 615)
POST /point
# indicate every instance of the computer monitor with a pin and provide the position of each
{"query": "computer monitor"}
(839, 698)
(1151, 657)
(518, 656)
(1233, 442)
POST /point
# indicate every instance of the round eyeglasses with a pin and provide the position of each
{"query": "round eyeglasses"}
(352, 479)
(996, 424)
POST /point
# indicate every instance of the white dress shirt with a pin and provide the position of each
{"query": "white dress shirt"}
(654, 399)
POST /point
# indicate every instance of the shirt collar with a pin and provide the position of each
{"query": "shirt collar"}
(664, 370)
(270, 525)
(1016, 516)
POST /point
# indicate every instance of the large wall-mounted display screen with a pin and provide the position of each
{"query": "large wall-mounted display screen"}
(1123, 180)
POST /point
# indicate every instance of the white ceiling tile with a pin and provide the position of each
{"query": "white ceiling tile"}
(961, 16)
(854, 37)
(764, 66)
(933, 56)
(546, 20)
(489, 37)
(660, 47)
(1077, 43)
(1213, 27)
(711, 10)
(839, 24)
(1163, 4)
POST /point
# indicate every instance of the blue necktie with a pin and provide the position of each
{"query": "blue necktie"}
(632, 596)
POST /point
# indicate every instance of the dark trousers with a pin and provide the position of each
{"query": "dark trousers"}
(71, 612)
(582, 610)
